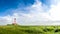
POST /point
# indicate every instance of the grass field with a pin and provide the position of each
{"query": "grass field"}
(17, 29)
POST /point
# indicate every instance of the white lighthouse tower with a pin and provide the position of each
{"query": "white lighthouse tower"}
(14, 21)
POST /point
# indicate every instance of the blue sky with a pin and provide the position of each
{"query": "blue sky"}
(8, 4)
(33, 12)
(12, 4)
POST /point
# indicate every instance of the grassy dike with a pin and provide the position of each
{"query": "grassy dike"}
(17, 29)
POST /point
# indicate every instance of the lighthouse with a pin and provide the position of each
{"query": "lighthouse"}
(14, 21)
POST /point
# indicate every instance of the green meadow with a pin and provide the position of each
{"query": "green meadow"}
(17, 29)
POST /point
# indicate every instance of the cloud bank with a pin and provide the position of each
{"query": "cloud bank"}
(39, 14)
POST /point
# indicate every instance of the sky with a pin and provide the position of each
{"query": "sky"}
(30, 12)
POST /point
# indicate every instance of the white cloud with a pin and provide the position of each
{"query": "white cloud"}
(37, 15)
(5, 20)
(55, 12)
